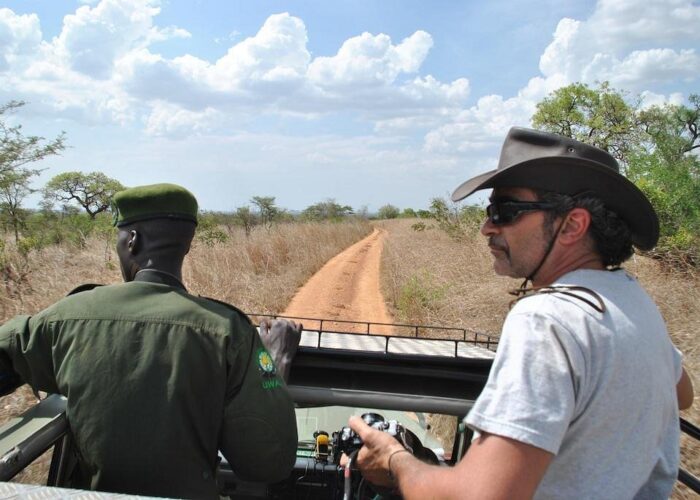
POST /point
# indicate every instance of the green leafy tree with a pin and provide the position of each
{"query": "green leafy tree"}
(672, 129)
(388, 211)
(326, 210)
(14, 188)
(597, 116)
(17, 151)
(656, 147)
(92, 191)
(267, 210)
(458, 222)
(245, 218)
(668, 171)
(209, 231)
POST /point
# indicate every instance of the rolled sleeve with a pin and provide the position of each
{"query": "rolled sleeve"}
(26, 355)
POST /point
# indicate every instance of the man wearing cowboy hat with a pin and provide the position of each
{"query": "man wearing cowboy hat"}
(583, 396)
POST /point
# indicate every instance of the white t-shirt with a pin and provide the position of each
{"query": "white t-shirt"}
(598, 390)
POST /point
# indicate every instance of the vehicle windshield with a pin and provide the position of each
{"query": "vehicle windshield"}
(433, 430)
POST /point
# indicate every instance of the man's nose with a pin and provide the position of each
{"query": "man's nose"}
(488, 228)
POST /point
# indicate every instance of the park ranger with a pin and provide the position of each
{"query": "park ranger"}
(158, 380)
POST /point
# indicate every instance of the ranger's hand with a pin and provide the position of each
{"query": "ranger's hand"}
(281, 338)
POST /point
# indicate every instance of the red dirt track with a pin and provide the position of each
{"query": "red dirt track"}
(345, 288)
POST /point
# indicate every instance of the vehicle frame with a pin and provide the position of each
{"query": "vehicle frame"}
(394, 367)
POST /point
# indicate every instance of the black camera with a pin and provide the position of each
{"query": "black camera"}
(347, 441)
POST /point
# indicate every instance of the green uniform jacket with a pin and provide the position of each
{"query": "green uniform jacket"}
(157, 381)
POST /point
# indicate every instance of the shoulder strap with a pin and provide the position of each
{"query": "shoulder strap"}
(84, 288)
(228, 306)
(595, 301)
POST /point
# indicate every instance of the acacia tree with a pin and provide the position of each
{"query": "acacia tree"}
(16, 152)
(244, 218)
(673, 129)
(326, 210)
(597, 116)
(13, 190)
(668, 170)
(267, 210)
(92, 191)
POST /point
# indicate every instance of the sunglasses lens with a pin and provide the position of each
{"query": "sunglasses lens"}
(500, 214)
(505, 212)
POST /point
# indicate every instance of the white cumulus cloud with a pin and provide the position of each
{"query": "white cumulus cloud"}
(276, 53)
(629, 45)
(370, 60)
(93, 38)
(20, 36)
(173, 121)
(105, 65)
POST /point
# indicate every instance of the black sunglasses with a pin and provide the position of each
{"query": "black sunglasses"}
(505, 212)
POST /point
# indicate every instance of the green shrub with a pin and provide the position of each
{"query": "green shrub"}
(28, 243)
(418, 296)
(459, 223)
(208, 230)
(388, 211)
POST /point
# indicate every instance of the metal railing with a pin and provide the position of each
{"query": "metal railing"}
(23, 439)
(428, 332)
(685, 477)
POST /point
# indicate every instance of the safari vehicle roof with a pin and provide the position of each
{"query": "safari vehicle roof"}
(397, 369)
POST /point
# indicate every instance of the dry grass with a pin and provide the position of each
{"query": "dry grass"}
(260, 274)
(257, 274)
(430, 279)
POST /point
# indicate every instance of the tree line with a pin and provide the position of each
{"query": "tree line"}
(76, 204)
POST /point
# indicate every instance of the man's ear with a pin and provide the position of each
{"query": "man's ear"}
(134, 243)
(575, 227)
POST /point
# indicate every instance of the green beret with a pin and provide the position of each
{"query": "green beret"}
(156, 201)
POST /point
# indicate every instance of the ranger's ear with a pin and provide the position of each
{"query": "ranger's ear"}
(134, 242)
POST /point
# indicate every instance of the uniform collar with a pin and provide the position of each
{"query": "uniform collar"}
(160, 277)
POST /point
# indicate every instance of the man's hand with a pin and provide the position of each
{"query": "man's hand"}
(281, 338)
(373, 457)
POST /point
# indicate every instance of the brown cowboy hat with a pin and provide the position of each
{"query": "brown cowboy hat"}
(549, 162)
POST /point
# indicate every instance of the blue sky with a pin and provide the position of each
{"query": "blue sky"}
(366, 102)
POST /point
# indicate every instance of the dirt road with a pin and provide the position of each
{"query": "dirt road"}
(346, 288)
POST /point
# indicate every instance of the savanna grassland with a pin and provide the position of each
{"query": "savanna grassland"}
(429, 278)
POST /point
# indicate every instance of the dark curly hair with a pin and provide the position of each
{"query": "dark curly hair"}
(611, 235)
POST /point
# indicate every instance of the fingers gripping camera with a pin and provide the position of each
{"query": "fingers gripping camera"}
(347, 441)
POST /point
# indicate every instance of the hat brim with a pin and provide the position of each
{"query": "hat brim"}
(146, 217)
(573, 176)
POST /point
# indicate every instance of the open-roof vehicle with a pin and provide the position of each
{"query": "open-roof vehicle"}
(421, 379)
